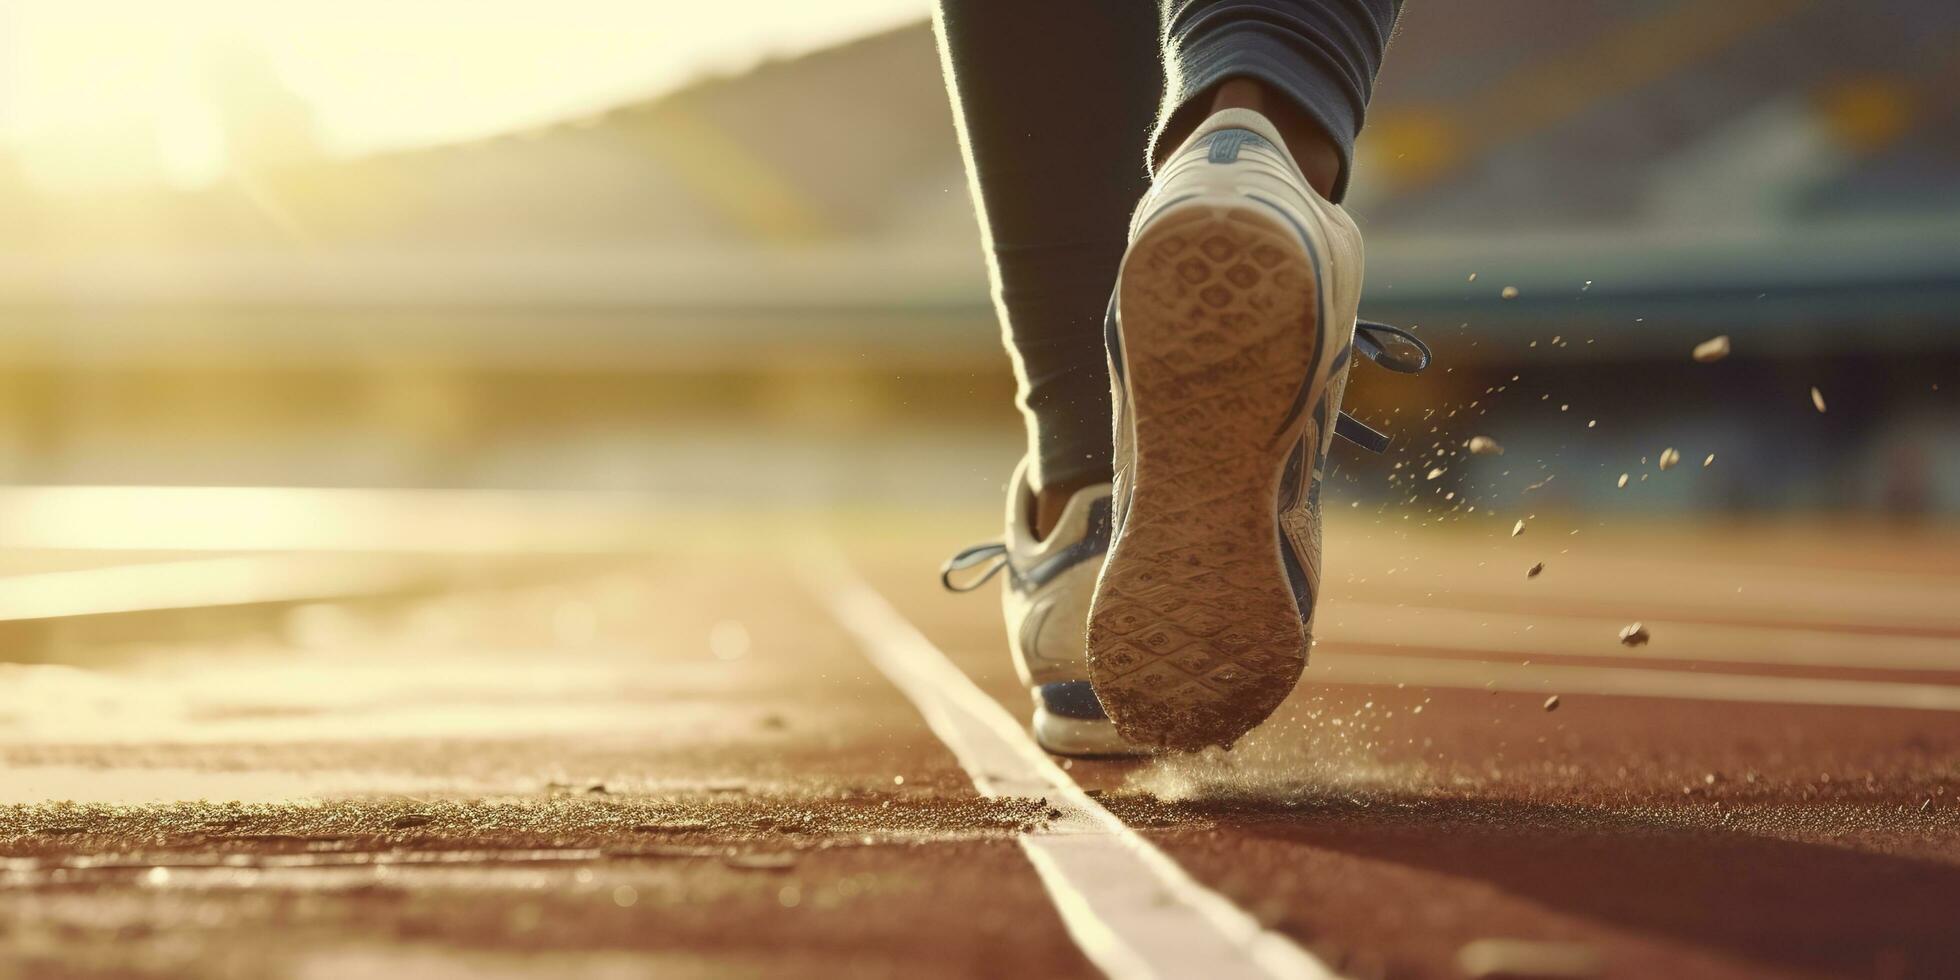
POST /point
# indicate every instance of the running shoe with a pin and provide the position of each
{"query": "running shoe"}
(1045, 598)
(1230, 334)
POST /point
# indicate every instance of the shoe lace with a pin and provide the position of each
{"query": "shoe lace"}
(1391, 347)
(1368, 337)
(1387, 345)
(992, 555)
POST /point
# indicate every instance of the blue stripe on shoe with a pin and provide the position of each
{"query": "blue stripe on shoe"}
(1347, 426)
(1320, 315)
(1072, 699)
(1294, 487)
(1226, 143)
(1113, 340)
(1094, 544)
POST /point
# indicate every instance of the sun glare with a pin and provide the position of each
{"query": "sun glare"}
(107, 93)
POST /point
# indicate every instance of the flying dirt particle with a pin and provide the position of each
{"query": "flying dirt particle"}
(158, 876)
(1509, 292)
(1485, 446)
(898, 780)
(1669, 458)
(625, 896)
(1623, 481)
(1713, 349)
(1634, 635)
(790, 895)
(1473, 278)
(1433, 474)
(1551, 703)
(1540, 485)
(1486, 959)
(1710, 461)
(1817, 399)
(1534, 570)
(1517, 529)
(1592, 423)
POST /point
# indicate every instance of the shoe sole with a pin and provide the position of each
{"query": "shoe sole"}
(1194, 633)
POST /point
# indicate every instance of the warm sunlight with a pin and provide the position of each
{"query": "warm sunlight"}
(105, 93)
(945, 489)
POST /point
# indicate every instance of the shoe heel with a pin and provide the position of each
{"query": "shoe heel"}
(1195, 635)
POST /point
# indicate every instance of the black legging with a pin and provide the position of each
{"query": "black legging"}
(1059, 102)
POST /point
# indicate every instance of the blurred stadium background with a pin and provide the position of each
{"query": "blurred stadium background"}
(766, 285)
(415, 420)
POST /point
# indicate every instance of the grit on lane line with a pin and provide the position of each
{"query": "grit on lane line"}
(1134, 911)
(786, 752)
(1386, 855)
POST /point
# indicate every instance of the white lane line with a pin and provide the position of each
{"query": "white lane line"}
(1133, 911)
(1334, 667)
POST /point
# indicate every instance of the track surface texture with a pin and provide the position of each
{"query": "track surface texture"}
(1194, 635)
(671, 758)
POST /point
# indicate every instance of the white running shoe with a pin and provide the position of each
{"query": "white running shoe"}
(1229, 336)
(1046, 601)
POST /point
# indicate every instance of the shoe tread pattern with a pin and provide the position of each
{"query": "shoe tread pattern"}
(1194, 633)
